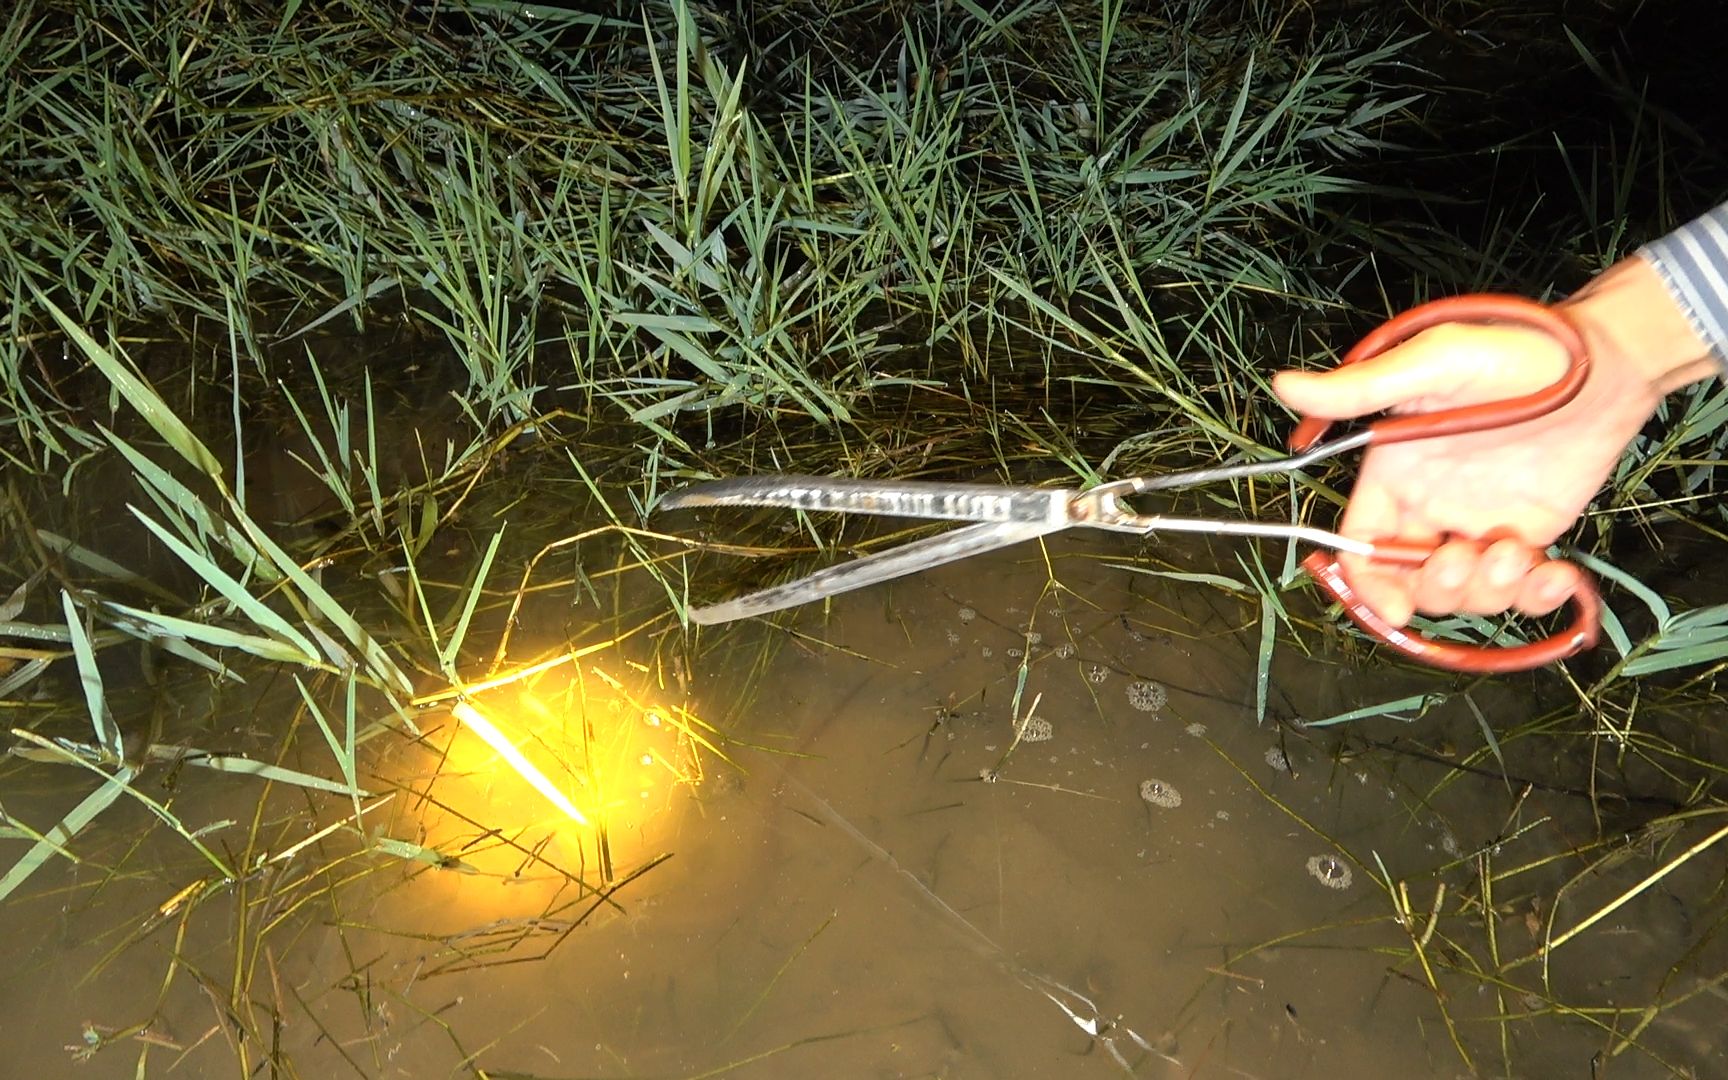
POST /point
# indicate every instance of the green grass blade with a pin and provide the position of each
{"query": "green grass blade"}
(447, 655)
(101, 720)
(264, 648)
(231, 589)
(137, 393)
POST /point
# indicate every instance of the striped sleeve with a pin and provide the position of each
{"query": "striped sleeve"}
(1693, 263)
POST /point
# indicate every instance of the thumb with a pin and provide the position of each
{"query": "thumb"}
(1455, 363)
(1395, 377)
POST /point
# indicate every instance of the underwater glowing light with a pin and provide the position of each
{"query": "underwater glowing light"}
(479, 725)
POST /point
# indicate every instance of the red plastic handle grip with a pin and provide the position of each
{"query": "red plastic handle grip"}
(1323, 566)
(1586, 604)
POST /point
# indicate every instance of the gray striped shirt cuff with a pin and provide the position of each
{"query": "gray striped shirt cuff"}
(1693, 263)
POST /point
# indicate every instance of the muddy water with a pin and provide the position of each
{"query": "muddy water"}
(889, 884)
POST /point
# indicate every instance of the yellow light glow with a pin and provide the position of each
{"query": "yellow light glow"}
(479, 725)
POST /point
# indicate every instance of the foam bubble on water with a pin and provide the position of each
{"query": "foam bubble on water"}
(1330, 871)
(1033, 637)
(1196, 730)
(1147, 696)
(1036, 729)
(1158, 793)
(1065, 651)
(1097, 673)
(1276, 758)
(966, 614)
(953, 637)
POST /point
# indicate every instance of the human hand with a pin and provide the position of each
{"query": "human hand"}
(1491, 501)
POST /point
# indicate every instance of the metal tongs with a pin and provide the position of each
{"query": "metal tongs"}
(1001, 515)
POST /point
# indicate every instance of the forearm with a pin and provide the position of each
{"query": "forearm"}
(1664, 311)
(1692, 263)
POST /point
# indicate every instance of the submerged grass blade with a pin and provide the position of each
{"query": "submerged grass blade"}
(54, 840)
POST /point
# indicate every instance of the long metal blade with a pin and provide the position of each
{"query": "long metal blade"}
(929, 499)
(882, 566)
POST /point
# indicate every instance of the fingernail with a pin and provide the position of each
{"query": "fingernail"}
(1398, 612)
(1504, 572)
(1452, 575)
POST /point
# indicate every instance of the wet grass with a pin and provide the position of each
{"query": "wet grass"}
(1018, 240)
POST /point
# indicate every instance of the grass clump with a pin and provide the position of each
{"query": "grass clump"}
(707, 234)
